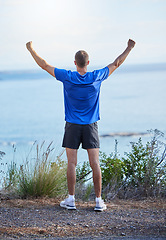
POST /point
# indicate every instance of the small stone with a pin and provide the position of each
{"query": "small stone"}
(123, 234)
(42, 231)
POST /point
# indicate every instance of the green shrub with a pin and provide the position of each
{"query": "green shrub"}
(82, 172)
(113, 170)
(84, 185)
(145, 165)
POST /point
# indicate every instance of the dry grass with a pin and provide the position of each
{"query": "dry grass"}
(42, 174)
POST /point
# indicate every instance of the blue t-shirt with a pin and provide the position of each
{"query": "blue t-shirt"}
(81, 94)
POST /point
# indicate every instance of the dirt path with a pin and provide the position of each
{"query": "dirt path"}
(43, 218)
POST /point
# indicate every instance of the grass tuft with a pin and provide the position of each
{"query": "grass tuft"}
(42, 174)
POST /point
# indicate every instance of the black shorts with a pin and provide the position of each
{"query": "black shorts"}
(75, 134)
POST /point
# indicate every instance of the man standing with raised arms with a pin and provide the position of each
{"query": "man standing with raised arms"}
(81, 100)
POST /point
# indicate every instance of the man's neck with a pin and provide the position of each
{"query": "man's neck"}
(82, 71)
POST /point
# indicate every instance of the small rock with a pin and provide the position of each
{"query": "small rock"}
(42, 231)
(123, 234)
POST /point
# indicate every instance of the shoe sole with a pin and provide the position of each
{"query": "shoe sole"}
(97, 209)
(68, 207)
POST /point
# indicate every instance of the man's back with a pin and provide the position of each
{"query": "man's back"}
(81, 94)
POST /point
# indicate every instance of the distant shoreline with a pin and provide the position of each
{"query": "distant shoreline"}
(116, 134)
(37, 73)
(125, 134)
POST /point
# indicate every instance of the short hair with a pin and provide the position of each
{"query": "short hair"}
(81, 58)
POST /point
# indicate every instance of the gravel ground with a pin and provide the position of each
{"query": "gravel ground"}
(44, 218)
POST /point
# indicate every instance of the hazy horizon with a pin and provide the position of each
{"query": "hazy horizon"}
(123, 68)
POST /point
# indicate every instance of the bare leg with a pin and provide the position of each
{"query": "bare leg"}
(71, 172)
(94, 163)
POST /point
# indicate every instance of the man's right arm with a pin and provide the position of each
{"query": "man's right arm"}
(119, 60)
(41, 62)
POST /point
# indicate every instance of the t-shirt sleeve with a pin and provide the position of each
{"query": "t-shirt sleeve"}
(101, 74)
(61, 74)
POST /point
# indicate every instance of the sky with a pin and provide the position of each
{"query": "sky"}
(59, 28)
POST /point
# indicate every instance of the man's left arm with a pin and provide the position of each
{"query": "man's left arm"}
(120, 59)
(41, 62)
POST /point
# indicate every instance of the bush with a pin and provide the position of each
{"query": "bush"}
(84, 186)
(82, 172)
(113, 170)
(39, 176)
(145, 173)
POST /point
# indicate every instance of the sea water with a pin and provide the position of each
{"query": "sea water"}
(31, 108)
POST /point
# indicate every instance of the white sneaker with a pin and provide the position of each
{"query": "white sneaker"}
(69, 204)
(100, 206)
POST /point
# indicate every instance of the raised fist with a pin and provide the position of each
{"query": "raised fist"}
(131, 43)
(29, 45)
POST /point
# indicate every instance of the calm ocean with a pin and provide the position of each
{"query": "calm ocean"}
(133, 99)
